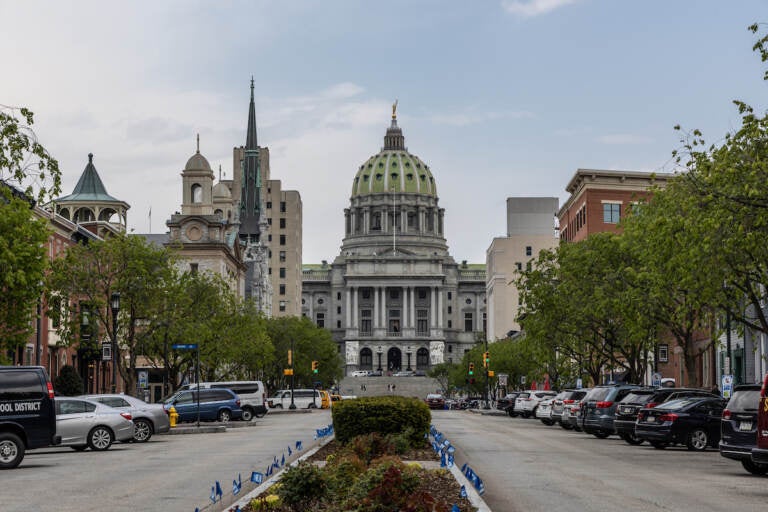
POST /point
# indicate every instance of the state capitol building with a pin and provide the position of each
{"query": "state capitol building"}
(394, 298)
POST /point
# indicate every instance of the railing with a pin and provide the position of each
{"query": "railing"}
(394, 334)
(315, 275)
(422, 334)
(472, 274)
(365, 333)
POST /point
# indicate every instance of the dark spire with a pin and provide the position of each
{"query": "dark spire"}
(250, 142)
(394, 138)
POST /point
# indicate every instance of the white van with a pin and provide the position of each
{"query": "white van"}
(302, 399)
(252, 393)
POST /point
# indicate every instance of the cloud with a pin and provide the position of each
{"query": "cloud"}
(531, 8)
(474, 118)
(624, 139)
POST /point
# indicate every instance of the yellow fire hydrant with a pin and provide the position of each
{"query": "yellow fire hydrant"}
(174, 416)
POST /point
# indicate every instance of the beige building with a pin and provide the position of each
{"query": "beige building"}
(530, 229)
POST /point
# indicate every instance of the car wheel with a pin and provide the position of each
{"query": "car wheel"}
(697, 440)
(548, 423)
(100, 438)
(80, 447)
(632, 439)
(225, 416)
(279, 406)
(11, 450)
(260, 413)
(754, 467)
(247, 414)
(566, 426)
(601, 434)
(142, 431)
(659, 445)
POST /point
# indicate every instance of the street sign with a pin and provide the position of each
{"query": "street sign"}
(727, 385)
(579, 384)
(184, 346)
(522, 379)
(106, 351)
(143, 379)
(656, 380)
(503, 379)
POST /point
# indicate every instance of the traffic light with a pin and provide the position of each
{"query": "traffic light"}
(471, 368)
(290, 357)
(486, 359)
(314, 366)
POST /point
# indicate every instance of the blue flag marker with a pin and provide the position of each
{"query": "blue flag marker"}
(298, 445)
(455, 508)
(213, 494)
(219, 492)
(464, 468)
(237, 485)
(450, 460)
(257, 477)
(282, 461)
(479, 486)
(463, 492)
(289, 451)
(442, 460)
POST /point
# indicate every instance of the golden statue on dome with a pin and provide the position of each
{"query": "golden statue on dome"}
(394, 110)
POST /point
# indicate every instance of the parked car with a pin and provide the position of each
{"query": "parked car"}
(360, 373)
(302, 399)
(738, 428)
(435, 401)
(565, 398)
(760, 452)
(544, 410)
(252, 395)
(529, 404)
(403, 373)
(85, 424)
(505, 401)
(626, 411)
(147, 418)
(27, 413)
(375, 373)
(574, 413)
(514, 409)
(215, 404)
(693, 421)
(599, 408)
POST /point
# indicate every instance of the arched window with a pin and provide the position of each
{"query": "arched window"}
(197, 193)
(366, 359)
(422, 359)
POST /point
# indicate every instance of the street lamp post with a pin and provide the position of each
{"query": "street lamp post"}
(290, 362)
(486, 390)
(378, 351)
(409, 358)
(114, 303)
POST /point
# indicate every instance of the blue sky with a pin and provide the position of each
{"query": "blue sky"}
(501, 98)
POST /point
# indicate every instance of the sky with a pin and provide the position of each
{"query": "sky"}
(501, 98)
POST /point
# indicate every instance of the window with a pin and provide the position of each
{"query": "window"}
(282, 239)
(269, 205)
(366, 293)
(338, 324)
(269, 238)
(611, 213)
(663, 353)
(450, 310)
(422, 326)
(282, 272)
(365, 322)
(338, 295)
(282, 305)
(519, 266)
(197, 193)
(528, 250)
(394, 322)
(282, 256)
(394, 294)
(320, 319)
(282, 206)
(423, 294)
(282, 222)
(449, 295)
(269, 221)
(282, 289)
(338, 310)
(468, 324)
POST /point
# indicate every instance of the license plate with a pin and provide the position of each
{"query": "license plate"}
(745, 426)
(650, 419)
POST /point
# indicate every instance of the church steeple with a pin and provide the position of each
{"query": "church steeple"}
(251, 142)
(250, 193)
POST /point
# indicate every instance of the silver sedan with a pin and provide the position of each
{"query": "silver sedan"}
(148, 419)
(87, 424)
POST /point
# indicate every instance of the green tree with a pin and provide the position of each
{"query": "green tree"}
(68, 383)
(22, 266)
(442, 374)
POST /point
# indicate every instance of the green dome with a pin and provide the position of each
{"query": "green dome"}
(394, 169)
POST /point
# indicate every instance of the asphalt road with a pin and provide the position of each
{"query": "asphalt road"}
(169, 473)
(527, 466)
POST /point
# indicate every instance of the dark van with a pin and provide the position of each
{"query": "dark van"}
(27, 413)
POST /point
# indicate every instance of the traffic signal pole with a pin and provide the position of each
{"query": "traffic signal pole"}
(486, 364)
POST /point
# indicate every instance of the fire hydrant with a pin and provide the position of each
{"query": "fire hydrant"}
(174, 416)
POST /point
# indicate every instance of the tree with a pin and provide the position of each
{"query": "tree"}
(22, 266)
(68, 383)
(23, 160)
(442, 374)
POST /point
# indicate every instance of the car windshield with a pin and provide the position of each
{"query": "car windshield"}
(744, 400)
(598, 394)
(680, 403)
(434, 397)
(523, 395)
(638, 397)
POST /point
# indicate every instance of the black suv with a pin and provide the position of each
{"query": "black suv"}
(27, 413)
(627, 409)
(738, 428)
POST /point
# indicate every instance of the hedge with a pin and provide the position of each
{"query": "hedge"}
(382, 414)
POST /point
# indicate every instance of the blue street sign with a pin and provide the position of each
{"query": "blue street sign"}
(184, 346)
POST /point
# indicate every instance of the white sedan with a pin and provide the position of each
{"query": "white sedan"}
(360, 373)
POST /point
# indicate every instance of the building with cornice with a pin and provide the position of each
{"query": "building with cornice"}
(394, 298)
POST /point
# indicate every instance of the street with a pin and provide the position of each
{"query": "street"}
(525, 465)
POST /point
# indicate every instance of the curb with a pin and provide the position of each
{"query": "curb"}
(472, 495)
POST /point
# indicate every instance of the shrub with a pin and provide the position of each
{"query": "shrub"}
(385, 486)
(301, 485)
(382, 414)
(68, 383)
